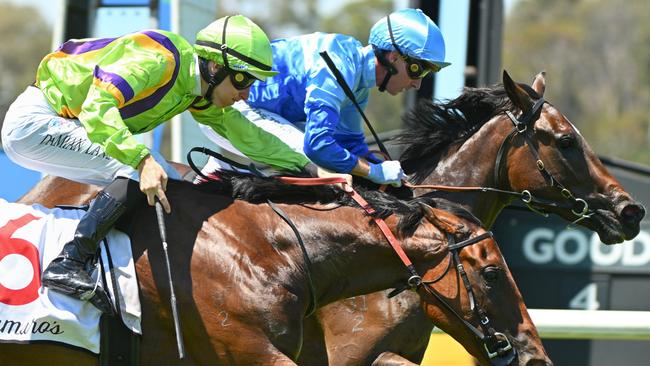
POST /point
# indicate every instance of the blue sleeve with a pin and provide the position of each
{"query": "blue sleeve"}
(320, 145)
(323, 102)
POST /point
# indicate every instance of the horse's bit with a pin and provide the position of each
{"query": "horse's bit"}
(496, 345)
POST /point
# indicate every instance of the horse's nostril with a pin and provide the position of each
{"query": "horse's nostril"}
(633, 213)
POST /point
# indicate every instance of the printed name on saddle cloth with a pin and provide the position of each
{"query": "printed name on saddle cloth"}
(30, 237)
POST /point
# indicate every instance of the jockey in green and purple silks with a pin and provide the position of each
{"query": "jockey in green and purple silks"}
(92, 96)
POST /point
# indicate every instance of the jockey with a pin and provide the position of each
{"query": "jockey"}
(91, 97)
(305, 106)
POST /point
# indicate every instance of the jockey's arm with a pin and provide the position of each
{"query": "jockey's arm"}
(257, 144)
(253, 141)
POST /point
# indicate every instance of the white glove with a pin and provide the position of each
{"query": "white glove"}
(388, 172)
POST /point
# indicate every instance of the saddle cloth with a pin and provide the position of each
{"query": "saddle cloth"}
(30, 237)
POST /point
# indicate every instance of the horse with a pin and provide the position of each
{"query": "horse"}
(244, 285)
(474, 140)
(441, 141)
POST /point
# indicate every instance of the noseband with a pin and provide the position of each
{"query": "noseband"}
(522, 126)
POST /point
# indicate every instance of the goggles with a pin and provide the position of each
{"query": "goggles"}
(418, 69)
(241, 80)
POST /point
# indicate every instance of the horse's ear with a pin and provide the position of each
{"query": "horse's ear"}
(539, 84)
(516, 93)
(443, 220)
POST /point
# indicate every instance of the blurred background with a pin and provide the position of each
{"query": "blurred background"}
(596, 54)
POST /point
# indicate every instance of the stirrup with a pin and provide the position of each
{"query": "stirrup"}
(98, 296)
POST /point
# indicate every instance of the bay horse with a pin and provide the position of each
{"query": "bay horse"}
(442, 143)
(472, 141)
(243, 285)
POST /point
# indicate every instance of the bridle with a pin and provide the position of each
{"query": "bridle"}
(496, 344)
(522, 126)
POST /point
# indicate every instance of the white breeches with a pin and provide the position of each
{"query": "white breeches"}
(269, 122)
(35, 137)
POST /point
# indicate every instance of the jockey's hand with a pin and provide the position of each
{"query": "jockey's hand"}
(387, 172)
(153, 182)
(319, 172)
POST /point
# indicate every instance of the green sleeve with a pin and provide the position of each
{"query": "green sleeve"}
(257, 144)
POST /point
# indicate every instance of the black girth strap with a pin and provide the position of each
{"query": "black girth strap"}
(312, 300)
(348, 92)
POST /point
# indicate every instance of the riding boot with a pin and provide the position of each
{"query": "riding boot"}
(67, 273)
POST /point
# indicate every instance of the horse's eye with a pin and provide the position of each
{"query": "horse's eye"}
(491, 274)
(567, 141)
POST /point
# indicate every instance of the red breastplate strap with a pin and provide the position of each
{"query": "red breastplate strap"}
(392, 240)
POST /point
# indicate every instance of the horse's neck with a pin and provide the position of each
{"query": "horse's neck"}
(473, 164)
(352, 260)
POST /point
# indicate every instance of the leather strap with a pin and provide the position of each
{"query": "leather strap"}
(392, 240)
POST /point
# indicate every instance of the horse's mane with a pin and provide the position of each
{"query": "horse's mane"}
(431, 128)
(258, 190)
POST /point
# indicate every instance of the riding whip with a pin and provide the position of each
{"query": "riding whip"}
(348, 92)
(163, 237)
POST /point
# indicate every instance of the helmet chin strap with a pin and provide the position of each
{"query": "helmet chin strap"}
(390, 69)
(212, 79)
(218, 77)
(382, 57)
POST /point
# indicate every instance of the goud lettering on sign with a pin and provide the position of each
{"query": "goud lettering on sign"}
(570, 247)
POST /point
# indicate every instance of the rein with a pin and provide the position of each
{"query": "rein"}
(312, 300)
(496, 344)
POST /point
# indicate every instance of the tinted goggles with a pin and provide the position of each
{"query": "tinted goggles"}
(417, 69)
(241, 80)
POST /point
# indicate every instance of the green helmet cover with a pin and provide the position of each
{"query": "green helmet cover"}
(245, 45)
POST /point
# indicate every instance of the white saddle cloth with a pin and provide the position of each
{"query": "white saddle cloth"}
(30, 237)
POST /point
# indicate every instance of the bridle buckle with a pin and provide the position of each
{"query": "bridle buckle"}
(502, 345)
(414, 281)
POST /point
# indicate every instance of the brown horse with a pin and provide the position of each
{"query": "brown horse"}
(244, 286)
(470, 141)
(441, 142)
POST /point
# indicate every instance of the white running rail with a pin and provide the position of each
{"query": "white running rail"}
(590, 324)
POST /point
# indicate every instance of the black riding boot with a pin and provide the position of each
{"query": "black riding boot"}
(67, 273)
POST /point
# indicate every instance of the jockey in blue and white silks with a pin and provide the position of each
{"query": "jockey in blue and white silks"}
(305, 97)
(306, 91)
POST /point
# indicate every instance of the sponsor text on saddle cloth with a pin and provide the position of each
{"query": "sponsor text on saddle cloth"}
(30, 237)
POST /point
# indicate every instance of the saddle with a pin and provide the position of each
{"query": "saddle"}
(30, 237)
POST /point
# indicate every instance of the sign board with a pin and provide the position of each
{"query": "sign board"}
(557, 267)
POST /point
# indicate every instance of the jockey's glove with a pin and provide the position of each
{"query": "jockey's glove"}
(387, 172)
